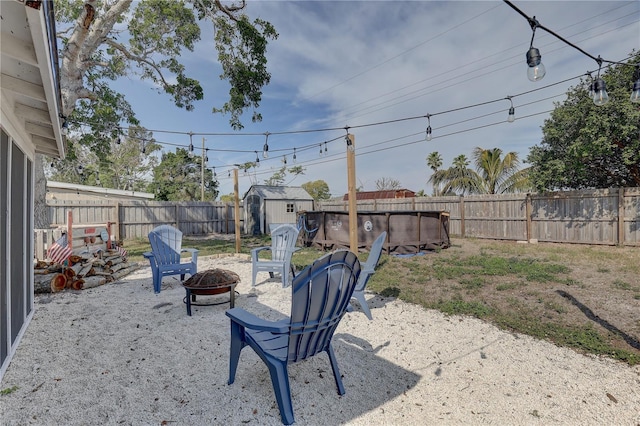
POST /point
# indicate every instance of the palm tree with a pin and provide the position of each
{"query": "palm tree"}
(434, 161)
(493, 174)
(457, 178)
(500, 175)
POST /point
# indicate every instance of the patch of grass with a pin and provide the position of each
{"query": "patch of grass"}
(507, 286)
(554, 306)
(461, 307)
(472, 283)
(8, 391)
(604, 270)
(622, 285)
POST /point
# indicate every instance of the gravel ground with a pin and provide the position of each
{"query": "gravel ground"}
(120, 354)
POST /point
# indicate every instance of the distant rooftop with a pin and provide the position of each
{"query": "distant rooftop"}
(66, 191)
(380, 195)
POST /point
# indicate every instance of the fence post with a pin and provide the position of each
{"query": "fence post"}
(117, 221)
(461, 204)
(528, 213)
(621, 216)
(70, 229)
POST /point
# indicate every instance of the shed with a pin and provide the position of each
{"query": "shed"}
(30, 108)
(266, 206)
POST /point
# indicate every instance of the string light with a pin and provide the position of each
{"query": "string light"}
(257, 159)
(265, 148)
(428, 132)
(512, 112)
(294, 154)
(598, 87)
(600, 95)
(284, 160)
(325, 148)
(536, 70)
(320, 145)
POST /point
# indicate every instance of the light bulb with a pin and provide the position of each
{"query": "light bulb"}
(536, 70)
(429, 137)
(265, 151)
(512, 115)
(600, 96)
(635, 94)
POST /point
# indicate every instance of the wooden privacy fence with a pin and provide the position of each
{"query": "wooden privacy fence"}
(135, 219)
(603, 216)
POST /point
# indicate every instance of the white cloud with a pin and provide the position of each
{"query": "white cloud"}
(357, 63)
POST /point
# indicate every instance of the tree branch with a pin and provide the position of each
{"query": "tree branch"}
(139, 59)
(103, 25)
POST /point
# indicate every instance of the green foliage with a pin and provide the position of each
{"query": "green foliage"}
(278, 178)
(95, 50)
(124, 166)
(8, 391)
(241, 52)
(589, 146)
(493, 174)
(434, 161)
(228, 198)
(318, 189)
(178, 178)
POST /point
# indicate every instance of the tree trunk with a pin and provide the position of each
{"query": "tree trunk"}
(40, 211)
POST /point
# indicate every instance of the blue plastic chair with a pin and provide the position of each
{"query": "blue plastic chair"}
(166, 246)
(321, 294)
(368, 268)
(283, 245)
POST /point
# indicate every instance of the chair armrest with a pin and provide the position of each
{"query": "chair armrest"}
(194, 253)
(252, 322)
(255, 251)
(148, 254)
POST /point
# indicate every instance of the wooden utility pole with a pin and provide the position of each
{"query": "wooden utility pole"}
(202, 172)
(351, 182)
(237, 208)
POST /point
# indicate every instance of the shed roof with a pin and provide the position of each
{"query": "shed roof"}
(280, 192)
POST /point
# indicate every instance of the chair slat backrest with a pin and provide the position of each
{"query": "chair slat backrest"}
(166, 244)
(283, 241)
(321, 294)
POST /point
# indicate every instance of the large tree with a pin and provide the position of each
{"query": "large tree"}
(178, 177)
(318, 189)
(126, 166)
(589, 146)
(102, 41)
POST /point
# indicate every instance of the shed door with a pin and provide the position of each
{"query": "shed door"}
(253, 215)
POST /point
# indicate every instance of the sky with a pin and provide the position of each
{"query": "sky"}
(380, 68)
